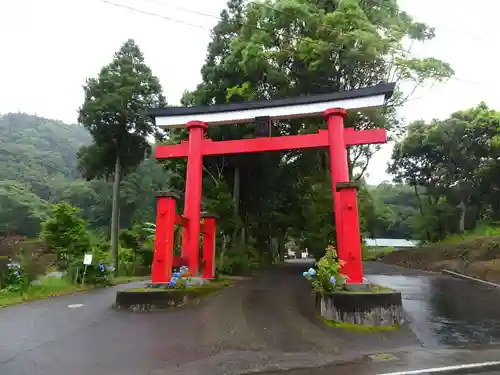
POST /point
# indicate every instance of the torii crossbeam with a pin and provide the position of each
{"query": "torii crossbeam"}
(333, 107)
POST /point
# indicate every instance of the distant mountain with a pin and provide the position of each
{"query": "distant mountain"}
(36, 151)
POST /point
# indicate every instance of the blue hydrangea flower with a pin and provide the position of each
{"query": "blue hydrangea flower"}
(332, 280)
(311, 272)
(305, 274)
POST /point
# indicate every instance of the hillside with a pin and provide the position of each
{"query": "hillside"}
(38, 167)
(33, 149)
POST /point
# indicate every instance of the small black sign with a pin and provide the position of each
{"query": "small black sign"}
(263, 126)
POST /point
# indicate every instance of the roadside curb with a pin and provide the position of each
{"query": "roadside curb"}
(458, 369)
(462, 276)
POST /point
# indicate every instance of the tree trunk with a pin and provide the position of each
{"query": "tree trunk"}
(281, 247)
(421, 209)
(236, 207)
(463, 210)
(115, 214)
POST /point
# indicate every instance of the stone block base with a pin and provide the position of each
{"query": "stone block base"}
(362, 308)
(159, 299)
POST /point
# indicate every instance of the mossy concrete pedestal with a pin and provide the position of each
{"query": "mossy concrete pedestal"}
(159, 299)
(364, 308)
(161, 296)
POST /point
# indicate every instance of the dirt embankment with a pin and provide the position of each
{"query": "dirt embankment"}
(478, 257)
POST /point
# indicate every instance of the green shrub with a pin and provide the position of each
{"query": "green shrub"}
(327, 277)
(65, 235)
(242, 263)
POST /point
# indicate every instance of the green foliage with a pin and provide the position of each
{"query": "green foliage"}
(371, 254)
(65, 235)
(114, 112)
(242, 263)
(39, 153)
(481, 230)
(300, 48)
(453, 167)
(21, 210)
(48, 287)
(327, 276)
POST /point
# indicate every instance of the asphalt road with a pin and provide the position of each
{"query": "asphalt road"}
(443, 310)
(264, 323)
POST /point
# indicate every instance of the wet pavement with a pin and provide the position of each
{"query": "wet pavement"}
(443, 310)
(264, 323)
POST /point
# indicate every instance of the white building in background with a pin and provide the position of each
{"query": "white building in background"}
(390, 242)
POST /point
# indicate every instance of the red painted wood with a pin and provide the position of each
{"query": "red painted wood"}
(351, 235)
(172, 151)
(290, 142)
(339, 171)
(180, 220)
(364, 137)
(209, 248)
(208, 147)
(335, 137)
(192, 201)
(164, 241)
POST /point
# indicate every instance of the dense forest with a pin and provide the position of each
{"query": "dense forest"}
(38, 167)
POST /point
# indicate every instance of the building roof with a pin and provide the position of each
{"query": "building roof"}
(300, 106)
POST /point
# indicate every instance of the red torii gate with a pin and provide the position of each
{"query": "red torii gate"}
(333, 107)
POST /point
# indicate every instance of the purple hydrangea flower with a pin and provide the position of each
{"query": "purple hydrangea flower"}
(332, 280)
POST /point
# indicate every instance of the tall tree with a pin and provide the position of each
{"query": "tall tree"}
(114, 113)
(453, 166)
(280, 48)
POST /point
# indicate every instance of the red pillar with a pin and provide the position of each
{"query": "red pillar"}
(192, 202)
(164, 238)
(209, 247)
(339, 170)
(350, 231)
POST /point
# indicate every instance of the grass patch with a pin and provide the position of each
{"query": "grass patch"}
(128, 279)
(359, 327)
(55, 287)
(479, 231)
(49, 287)
(372, 288)
(211, 286)
(375, 253)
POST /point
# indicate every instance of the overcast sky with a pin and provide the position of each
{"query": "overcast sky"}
(50, 47)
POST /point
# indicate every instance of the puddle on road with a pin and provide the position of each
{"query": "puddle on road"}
(447, 311)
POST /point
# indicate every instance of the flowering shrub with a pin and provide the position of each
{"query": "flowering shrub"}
(327, 276)
(14, 279)
(181, 279)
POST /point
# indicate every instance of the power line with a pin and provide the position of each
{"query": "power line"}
(255, 27)
(152, 14)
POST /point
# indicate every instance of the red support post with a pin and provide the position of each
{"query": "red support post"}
(351, 234)
(209, 247)
(339, 171)
(192, 202)
(164, 238)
